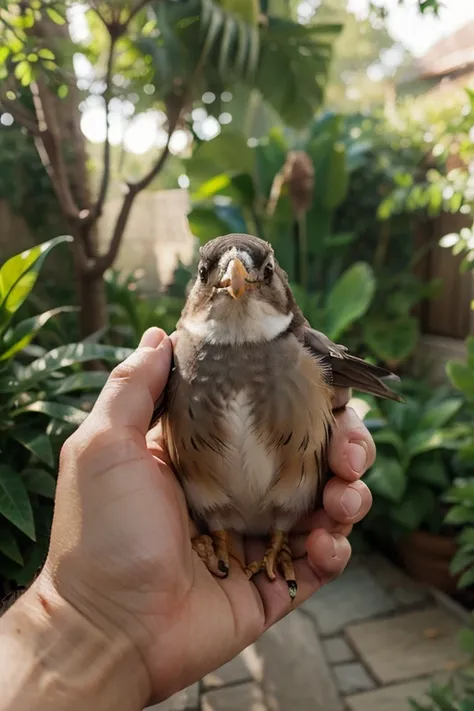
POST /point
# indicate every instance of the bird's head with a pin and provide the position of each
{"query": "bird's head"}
(240, 293)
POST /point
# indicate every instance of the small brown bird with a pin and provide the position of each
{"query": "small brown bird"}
(247, 411)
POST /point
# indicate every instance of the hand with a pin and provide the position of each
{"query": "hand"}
(120, 550)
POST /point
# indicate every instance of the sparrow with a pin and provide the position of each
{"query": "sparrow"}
(247, 411)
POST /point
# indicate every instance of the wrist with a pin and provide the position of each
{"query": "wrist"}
(53, 657)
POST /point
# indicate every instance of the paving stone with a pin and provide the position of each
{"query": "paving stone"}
(186, 700)
(352, 677)
(410, 645)
(234, 672)
(404, 591)
(354, 596)
(244, 697)
(390, 698)
(296, 674)
(337, 650)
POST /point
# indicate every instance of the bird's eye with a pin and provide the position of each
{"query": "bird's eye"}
(203, 274)
(268, 272)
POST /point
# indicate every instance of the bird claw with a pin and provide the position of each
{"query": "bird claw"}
(213, 550)
(278, 555)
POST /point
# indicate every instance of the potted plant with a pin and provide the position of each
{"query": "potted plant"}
(410, 479)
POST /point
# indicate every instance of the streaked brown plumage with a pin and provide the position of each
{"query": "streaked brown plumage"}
(247, 410)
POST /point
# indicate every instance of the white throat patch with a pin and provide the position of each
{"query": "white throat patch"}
(258, 323)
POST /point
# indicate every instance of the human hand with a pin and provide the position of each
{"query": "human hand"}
(120, 551)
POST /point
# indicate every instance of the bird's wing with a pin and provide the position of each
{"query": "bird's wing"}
(347, 370)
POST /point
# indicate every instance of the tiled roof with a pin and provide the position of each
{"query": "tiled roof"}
(449, 55)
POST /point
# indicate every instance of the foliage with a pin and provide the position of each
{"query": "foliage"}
(447, 698)
(461, 495)
(412, 472)
(161, 57)
(44, 395)
(357, 162)
(132, 311)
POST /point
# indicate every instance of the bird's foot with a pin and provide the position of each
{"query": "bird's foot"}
(278, 555)
(214, 552)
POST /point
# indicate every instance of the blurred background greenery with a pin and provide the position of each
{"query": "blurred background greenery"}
(143, 129)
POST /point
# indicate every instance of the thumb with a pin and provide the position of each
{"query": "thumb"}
(128, 397)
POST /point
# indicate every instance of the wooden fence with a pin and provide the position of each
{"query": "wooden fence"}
(449, 315)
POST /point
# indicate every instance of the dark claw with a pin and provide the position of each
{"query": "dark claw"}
(223, 567)
(292, 588)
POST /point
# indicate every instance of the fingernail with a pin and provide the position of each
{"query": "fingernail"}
(351, 502)
(357, 456)
(338, 542)
(152, 338)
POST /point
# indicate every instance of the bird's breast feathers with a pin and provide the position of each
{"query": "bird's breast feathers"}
(247, 428)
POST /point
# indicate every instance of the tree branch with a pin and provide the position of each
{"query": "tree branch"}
(135, 10)
(49, 147)
(106, 260)
(104, 185)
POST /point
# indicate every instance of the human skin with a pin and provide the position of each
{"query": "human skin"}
(124, 613)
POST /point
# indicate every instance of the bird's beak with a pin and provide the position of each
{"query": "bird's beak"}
(234, 279)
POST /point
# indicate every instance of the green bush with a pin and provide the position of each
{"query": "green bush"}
(44, 396)
(413, 470)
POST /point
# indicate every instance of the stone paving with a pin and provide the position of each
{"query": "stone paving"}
(366, 642)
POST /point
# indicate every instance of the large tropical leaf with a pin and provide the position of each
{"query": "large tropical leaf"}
(213, 45)
(21, 335)
(39, 482)
(14, 502)
(36, 442)
(18, 276)
(56, 410)
(349, 299)
(9, 545)
(65, 356)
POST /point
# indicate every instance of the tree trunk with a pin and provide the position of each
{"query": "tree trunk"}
(63, 118)
(92, 298)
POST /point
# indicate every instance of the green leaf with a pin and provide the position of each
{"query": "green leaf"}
(349, 299)
(337, 179)
(459, 516)
(466, 639)
(417, 505)
(15, 505)
(421, 442)
(18, 276)
(24, 332)
(429, 470)
(9, 545)
(46, 53)
(466, 578)
(390, 438)
(387, 479)
(462, 377)
(81, 381)
(440, 415)
(207, 222)
(55, 16)
(36, 442)
(39, 482)
(72, 354)
(56, 410)
(391, 339)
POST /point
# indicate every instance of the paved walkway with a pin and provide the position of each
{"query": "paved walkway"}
(366, 642)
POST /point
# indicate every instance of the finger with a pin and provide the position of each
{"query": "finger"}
(317, 519)
(152, 338)
(327, 558)
(298, 541)
(352, 449)
(328, 554)
(128, 397)
(347, 503)
(341, 397)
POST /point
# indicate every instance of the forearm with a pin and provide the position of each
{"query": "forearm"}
(52, 658)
